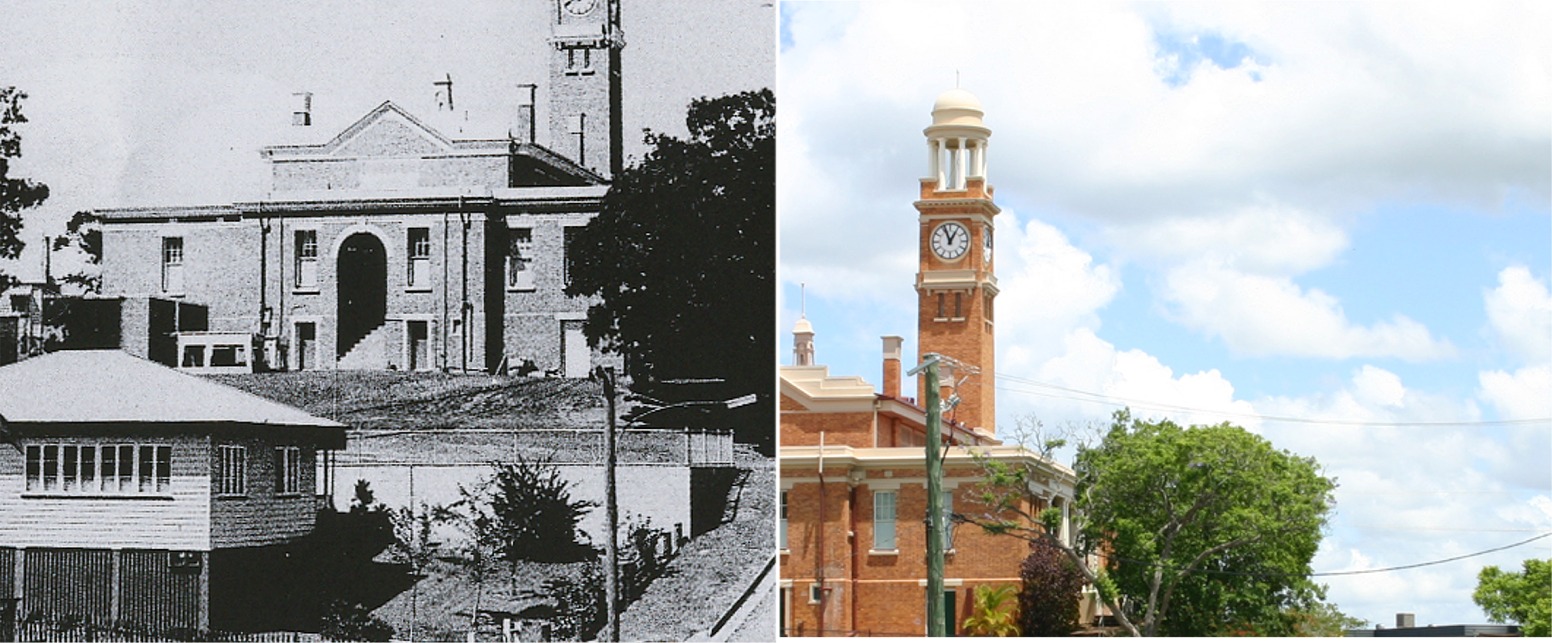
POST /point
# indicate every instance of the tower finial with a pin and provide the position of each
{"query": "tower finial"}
(956, 79)
(803, 300)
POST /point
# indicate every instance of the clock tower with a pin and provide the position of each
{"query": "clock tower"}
(585, 118)
(957, 283)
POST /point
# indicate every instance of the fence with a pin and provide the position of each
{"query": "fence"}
(70, 629)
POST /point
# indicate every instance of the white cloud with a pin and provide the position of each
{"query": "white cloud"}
(1520, 313)
(1260, 238)
(1524, 394)
(1262, 315)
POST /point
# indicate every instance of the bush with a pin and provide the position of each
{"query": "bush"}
(1048, 603)
(534, 515)
(352, 622)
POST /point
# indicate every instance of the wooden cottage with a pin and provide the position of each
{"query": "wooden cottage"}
(132, 494)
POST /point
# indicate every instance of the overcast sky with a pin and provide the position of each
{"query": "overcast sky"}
(169, 102)
(1331, 212)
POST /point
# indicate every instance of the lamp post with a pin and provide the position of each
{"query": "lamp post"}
(605, 374)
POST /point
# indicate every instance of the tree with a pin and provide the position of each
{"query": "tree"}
(533, 516)
(1199, 527)
(681, 259)
(1524, 598)
(995, 612)
(16, 194)
(1048, 602)
(84, 232)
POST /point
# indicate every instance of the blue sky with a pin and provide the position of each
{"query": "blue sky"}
(1245, 212)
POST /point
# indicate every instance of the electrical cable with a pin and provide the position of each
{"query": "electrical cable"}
(1117, 401)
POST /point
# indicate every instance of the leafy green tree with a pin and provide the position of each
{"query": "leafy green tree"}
(995, 612)
(1524, 598)
(16, 194)
(1048, 602)
(84, 232)
(1199, 527)
(682, 259)
(1321, 619)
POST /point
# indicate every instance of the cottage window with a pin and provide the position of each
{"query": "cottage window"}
(884, 520)
(172, 264)
(288, 470)
(520, 259)
(92, 468)
(306, 258)
(231, 470)
(419, 258)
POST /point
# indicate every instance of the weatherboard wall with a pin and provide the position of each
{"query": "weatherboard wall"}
(262, 515)
(178, 519)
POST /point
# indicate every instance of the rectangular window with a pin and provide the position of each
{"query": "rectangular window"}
(306, 258)
(288, 470)
(940, 314)
(419, 258)
(92, 468)
(520, 274)
(781, 529)
(884, 520)
(110, 468)
(172, 264)
(988, 306)
(232, 470)
(567, 241)
(34, 467)
(959, 305)
(70, 465)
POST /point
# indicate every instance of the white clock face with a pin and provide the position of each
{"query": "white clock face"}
(950, 240)
(578, 7)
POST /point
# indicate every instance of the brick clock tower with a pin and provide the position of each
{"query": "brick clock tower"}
(585, 118)
(957, 282)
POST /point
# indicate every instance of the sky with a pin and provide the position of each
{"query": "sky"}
(169, 102)
(1330, 223)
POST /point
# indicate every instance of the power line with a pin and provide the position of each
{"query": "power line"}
(1434, 562)
(1357, 572)
(1117, 401)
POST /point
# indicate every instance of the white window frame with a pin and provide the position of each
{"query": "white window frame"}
(306, 250)
(172, 265)
(66, 468)
(417, 242)
(231, 478)
(520, 273)
(288, 470)
(881, 524)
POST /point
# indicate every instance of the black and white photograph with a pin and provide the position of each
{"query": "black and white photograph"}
(387, 321)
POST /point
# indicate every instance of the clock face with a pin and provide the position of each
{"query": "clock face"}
(950, 240)
(578, 7)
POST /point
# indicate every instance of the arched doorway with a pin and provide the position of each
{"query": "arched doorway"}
(363, 288)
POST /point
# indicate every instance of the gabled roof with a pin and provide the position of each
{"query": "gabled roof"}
(110, 386)
(385, 113)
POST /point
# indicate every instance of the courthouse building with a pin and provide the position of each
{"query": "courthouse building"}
(395, 243)
(853, 463)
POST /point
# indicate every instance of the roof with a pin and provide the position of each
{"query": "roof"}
(101, 386)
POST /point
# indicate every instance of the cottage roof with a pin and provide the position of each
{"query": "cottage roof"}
(98, 386)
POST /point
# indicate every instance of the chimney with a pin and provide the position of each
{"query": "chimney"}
(803, 343)
(1405, 619)
(302, 109)
(524, 132)
(892, 365)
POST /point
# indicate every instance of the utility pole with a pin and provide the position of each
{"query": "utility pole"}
(611, 517)
(935, 616)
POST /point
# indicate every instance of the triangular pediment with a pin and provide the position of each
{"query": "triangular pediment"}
(388, 132)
